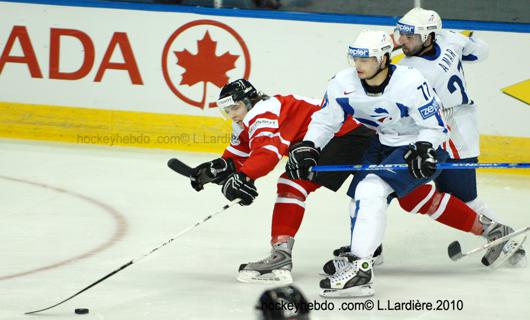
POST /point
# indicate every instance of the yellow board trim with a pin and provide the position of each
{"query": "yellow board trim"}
(114, 128)
(169, 131)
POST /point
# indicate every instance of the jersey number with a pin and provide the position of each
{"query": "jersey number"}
(452, 88)
(425, 90)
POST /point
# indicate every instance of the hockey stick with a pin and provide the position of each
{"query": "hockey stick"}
(446, 165)
(137, 259)
(455, 250)
(179, 167)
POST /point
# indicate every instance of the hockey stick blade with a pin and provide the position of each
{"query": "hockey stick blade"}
(137, 259)
(179, 167)
(455, 250)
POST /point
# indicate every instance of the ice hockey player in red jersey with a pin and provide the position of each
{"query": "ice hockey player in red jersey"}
(263, 128)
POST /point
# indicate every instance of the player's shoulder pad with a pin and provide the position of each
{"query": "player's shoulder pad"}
(343, 75)
(408, 74)
(293, 98)
(452, 37)
(343, 79)
(270, 105)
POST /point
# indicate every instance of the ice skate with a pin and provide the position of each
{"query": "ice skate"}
(497, 255)
(340, 261)
(354, 280)
(276, 268)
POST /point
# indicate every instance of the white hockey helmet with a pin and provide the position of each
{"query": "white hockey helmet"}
(370, 44)
(419, 21)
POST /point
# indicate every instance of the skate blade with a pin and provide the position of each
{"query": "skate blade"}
(377, 261)
(518, 260)
(276, 277)
(508, 250)
(355, 292)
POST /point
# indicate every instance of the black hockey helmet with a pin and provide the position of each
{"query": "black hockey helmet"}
(238, 90)
(283, 303)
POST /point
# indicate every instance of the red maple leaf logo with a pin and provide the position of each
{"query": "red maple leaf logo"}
(205, 66)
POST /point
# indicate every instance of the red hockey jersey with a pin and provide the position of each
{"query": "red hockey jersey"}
(270, 127)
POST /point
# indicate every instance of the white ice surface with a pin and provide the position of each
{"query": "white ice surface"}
(100, 207)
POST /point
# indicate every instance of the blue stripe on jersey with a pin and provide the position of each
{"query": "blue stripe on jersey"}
(441, 122)
(344, 103)
(437, 52)
(354, 219)
(368, 122)
(469, 57)
(403, 110)
(325, 102)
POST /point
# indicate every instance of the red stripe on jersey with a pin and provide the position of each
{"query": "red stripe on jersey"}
(454, 150)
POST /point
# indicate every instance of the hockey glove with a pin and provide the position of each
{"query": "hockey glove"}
(302, 156)
(216, 171)
(237, 186)
(421, 159)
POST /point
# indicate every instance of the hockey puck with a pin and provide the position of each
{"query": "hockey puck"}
(81, 311)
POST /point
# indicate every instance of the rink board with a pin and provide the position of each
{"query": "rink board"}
(64, 77)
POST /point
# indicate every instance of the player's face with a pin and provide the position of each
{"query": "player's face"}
(410, 43)
(366, 67)
(237, 112)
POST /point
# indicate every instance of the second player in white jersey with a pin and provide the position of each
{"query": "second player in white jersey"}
(438, 54)
(443, 68)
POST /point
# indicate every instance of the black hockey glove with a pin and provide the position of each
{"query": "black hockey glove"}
(302, 156)
(216, 171)
(421, 159)
(237, 186)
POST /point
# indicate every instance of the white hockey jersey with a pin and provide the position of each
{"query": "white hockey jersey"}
(407, 111)
(444, 71)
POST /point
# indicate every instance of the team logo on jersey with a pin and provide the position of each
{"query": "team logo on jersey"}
(405, 28)
(430, 109)
(382, 115)
(234, 140)
(358, 52)
(197, 58)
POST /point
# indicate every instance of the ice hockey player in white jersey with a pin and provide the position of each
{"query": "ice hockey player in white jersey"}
(439, 55)
(401, 106)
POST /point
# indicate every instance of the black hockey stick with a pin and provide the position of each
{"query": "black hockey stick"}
(137, 259)
(455, 250)
(185, 170)
(179, 167)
